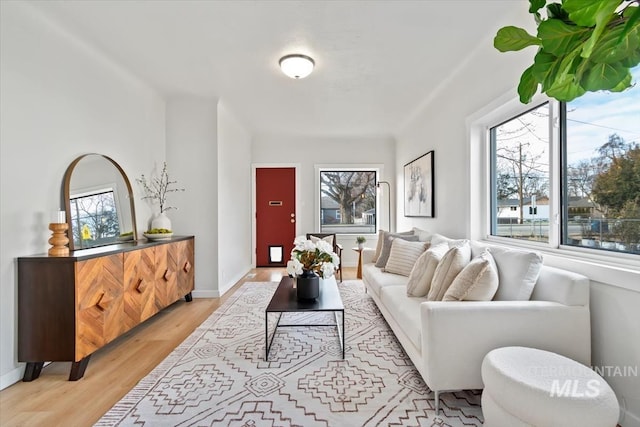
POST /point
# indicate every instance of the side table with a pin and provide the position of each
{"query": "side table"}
(359, 250)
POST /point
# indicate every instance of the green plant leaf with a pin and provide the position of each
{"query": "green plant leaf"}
(528, 86)
(544, 69)
(513, 38)
(633, 15)
(623, 85)
(589, 13)
(603, 76)
(611, 48)
(560, 38)
(565, 89)
(536, 5)
(632, 60)
(555, 11)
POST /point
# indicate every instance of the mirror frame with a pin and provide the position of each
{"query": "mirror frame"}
(67, 196)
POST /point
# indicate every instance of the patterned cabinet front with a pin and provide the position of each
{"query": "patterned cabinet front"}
(99, 313)
(139, 286)
(185, 268)
(69, 307)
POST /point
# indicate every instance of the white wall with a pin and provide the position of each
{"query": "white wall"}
(234, 199)
(335, 151)
(59, 99)
(192, 159)
(440, 125)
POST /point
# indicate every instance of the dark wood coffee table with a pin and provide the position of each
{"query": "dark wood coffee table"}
(284, 300)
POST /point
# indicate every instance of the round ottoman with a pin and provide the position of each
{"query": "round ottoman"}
(530, 387)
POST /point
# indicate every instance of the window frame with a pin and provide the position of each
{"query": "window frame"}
(479, 124)
(379, 171)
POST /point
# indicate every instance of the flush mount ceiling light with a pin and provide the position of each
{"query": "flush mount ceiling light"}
(296, 66)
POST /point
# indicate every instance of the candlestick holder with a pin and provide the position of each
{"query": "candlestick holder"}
(59, 239)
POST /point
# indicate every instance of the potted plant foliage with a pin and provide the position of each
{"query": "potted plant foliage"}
(583, 46)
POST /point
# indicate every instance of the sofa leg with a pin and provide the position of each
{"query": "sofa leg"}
(437, 398)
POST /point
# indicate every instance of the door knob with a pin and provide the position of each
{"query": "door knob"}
(292, 220)
(293, 215)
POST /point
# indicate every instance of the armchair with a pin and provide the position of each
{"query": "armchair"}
(337, 248)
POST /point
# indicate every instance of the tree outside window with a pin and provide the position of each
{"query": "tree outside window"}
(348, 201)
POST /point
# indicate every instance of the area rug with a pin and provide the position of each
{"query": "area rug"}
(218, 375)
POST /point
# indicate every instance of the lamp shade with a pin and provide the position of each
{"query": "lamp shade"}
(296, 66)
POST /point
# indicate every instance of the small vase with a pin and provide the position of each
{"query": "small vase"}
(308, 286)
(161, 220)
(360, 246)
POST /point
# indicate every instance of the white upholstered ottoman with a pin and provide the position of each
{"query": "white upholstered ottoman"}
(530, 387)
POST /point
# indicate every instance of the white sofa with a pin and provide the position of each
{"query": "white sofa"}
(447, 340)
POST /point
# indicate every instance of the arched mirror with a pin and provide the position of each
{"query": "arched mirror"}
(99, 203)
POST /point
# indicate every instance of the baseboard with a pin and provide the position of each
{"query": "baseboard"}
(11, 377)
(205, 293)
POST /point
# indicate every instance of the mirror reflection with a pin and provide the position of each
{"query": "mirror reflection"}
(99, 203)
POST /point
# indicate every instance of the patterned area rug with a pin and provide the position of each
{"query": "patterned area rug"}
(218, 376)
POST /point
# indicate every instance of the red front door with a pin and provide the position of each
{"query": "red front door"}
(275, 215)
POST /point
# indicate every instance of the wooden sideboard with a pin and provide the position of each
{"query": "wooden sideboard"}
(71, 306)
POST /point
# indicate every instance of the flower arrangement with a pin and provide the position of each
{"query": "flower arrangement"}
(156, 189)
(360, 239)
(317, 257)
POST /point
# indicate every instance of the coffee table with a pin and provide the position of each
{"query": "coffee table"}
(284, 300)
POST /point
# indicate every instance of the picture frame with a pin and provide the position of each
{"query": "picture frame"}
(419, 198)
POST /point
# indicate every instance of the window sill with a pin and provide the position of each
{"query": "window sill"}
(619, 270)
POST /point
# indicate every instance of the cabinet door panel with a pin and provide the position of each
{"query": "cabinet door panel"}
(185, 261)
(139, 286)
(99, 283)
(166, 290)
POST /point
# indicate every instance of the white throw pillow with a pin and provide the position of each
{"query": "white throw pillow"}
(316, 239)
(518, 271)
(437, 239)
(423, 235)
(403, 256)
(478, 281)
(386, 246)
(422, 273)
(378, 246)
(448, 268)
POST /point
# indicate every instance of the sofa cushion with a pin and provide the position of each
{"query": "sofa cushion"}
(376, 279)
(316, 239)
(422, 273)
(403, 256)
(423, 235)
(448, 268)
(437, 239)
(381, 239)
(478, 281)
(518, 271)
(405, 311)
(386, 246)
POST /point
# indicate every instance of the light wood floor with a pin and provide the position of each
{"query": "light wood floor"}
(51, 400)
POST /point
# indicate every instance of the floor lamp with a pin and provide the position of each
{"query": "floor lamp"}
(388, 199)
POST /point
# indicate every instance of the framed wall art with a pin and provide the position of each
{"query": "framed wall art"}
(418, 187)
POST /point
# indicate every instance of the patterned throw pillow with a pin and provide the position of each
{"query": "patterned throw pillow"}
(448, 268)
(422, 273)
(386, 246)
(478, 281)
(328, 239)
(403, 256)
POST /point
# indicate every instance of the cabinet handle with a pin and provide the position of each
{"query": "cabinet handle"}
(104, 302)
(187, 267)
(167, 275)
(140, 286)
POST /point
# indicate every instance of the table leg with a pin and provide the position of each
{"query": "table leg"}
(359, 274)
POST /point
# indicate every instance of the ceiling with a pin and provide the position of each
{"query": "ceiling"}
(376, 61)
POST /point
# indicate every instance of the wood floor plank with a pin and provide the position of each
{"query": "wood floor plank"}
(115, 369)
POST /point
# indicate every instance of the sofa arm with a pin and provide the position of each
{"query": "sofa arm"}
(457, 335)
(367, 255)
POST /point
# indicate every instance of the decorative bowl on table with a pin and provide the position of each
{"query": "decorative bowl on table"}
(158, 234)
(125, 237)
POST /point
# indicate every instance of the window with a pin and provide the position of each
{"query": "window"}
(520, 178)
(95, 218)
(601, 171)
(348, 201)
(581, 165)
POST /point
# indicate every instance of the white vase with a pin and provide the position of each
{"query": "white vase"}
(361, 246)
(161, 220)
